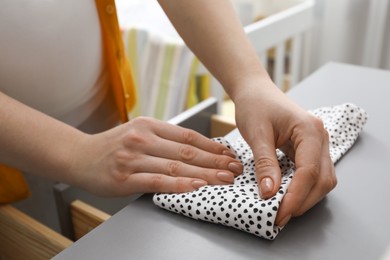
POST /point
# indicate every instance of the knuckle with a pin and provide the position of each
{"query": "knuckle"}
(189, 136)
(334, 183)
(220, 163)
(142, 120)
(122, 159)
(318, 125)
(137, 133)
(317, 122)
(313, 171)
(262, 163)
(156, 182)
(299, 212)
(135, 138)
(314, 123)
(180, 185)
(186, 152)
(118, 176)
(173, 168)
(329, 184)
(326, 135)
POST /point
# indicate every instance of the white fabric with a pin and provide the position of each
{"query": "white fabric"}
(51, 56)
(239, 205)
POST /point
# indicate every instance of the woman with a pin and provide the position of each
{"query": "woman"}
(145, 155)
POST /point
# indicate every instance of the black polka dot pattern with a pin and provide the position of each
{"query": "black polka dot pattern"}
(239, 205)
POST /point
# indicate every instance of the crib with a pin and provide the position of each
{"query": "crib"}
(281, 38)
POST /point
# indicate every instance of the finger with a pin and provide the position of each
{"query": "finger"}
(187, 136)
(327, 181)
(308, 166)
(195, 156)
(267, 166)
(175, 168)
(151, 183)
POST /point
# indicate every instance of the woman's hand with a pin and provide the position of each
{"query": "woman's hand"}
(143, 155)
(267, 120)
(147, 155)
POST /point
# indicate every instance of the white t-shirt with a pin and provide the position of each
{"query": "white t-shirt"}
(51, 57)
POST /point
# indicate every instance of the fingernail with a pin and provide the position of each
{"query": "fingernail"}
(235, 167)
(266, 186)
(229, 153)
(284, 221)
(198, 183)
(225, 176)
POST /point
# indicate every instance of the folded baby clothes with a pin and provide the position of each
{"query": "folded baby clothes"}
(239, 205)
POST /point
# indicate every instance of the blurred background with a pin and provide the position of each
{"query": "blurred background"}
(348, 31)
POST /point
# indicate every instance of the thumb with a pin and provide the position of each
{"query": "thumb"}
(266, 164)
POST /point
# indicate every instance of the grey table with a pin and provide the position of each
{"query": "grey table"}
(353, 222)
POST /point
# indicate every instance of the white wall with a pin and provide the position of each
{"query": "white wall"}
(386, 43)
(340, 32)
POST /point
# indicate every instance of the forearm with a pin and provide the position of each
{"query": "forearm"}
(213, 32)
(34, 142)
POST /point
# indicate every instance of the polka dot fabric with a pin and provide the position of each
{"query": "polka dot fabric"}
(239, 205)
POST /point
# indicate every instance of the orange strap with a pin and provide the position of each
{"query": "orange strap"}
(13, 187)
(118, 65)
